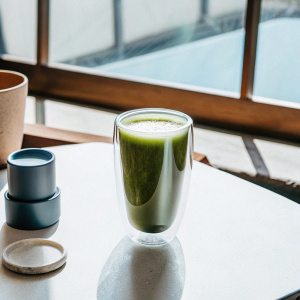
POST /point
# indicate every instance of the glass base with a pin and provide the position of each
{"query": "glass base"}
(149, 239)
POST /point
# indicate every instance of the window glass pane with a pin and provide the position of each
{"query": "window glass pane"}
(78, 118)
(194, 42)
(18, 26)
(30, 110)
(277, 71)
(79, 30)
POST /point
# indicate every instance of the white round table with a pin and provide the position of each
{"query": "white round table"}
(237, 240)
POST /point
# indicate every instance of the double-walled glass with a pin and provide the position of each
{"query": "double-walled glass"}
(153, 167)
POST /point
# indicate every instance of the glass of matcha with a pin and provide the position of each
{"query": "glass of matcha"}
(153, 152)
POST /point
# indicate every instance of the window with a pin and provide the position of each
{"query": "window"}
(18, 25)
(198, 43)
(195, 57)
(278, 61)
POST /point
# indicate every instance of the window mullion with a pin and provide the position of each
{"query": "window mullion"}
(43, 32)
(251, 28)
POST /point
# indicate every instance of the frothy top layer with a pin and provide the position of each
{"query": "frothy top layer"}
(154, 126)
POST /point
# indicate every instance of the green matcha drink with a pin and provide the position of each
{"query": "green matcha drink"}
(153, 150)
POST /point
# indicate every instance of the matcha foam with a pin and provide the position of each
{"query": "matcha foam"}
(154, 126)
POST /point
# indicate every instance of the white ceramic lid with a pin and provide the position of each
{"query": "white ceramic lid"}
(34, 256)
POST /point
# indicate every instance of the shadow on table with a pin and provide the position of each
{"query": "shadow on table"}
(19, 286)
(9, 234)
(141, 272)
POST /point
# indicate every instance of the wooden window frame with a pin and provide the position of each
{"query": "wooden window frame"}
(38, 136)
(211, 107)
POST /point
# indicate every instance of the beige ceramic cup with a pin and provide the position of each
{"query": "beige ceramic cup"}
(13, 93)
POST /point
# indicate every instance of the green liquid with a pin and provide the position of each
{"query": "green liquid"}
(153, 172)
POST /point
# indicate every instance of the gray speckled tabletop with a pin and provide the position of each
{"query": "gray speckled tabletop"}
(236, 241)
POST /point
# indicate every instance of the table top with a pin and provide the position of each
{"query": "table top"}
(237, 240)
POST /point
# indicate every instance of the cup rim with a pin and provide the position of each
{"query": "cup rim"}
(153, 110)
(24, 82)
(37, 150)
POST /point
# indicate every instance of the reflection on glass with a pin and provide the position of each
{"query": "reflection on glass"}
(198, 43)
(18, 26)
(277, 70)
(194, 42)
(80, 29)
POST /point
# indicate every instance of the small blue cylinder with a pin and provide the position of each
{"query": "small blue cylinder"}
(31, 175)
(32, 215)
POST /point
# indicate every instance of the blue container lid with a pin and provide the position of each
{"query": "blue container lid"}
(31, 174)
(32, 157)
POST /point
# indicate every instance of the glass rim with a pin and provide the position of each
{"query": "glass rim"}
(166, 111)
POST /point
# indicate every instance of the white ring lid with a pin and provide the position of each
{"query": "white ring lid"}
(34, 256)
